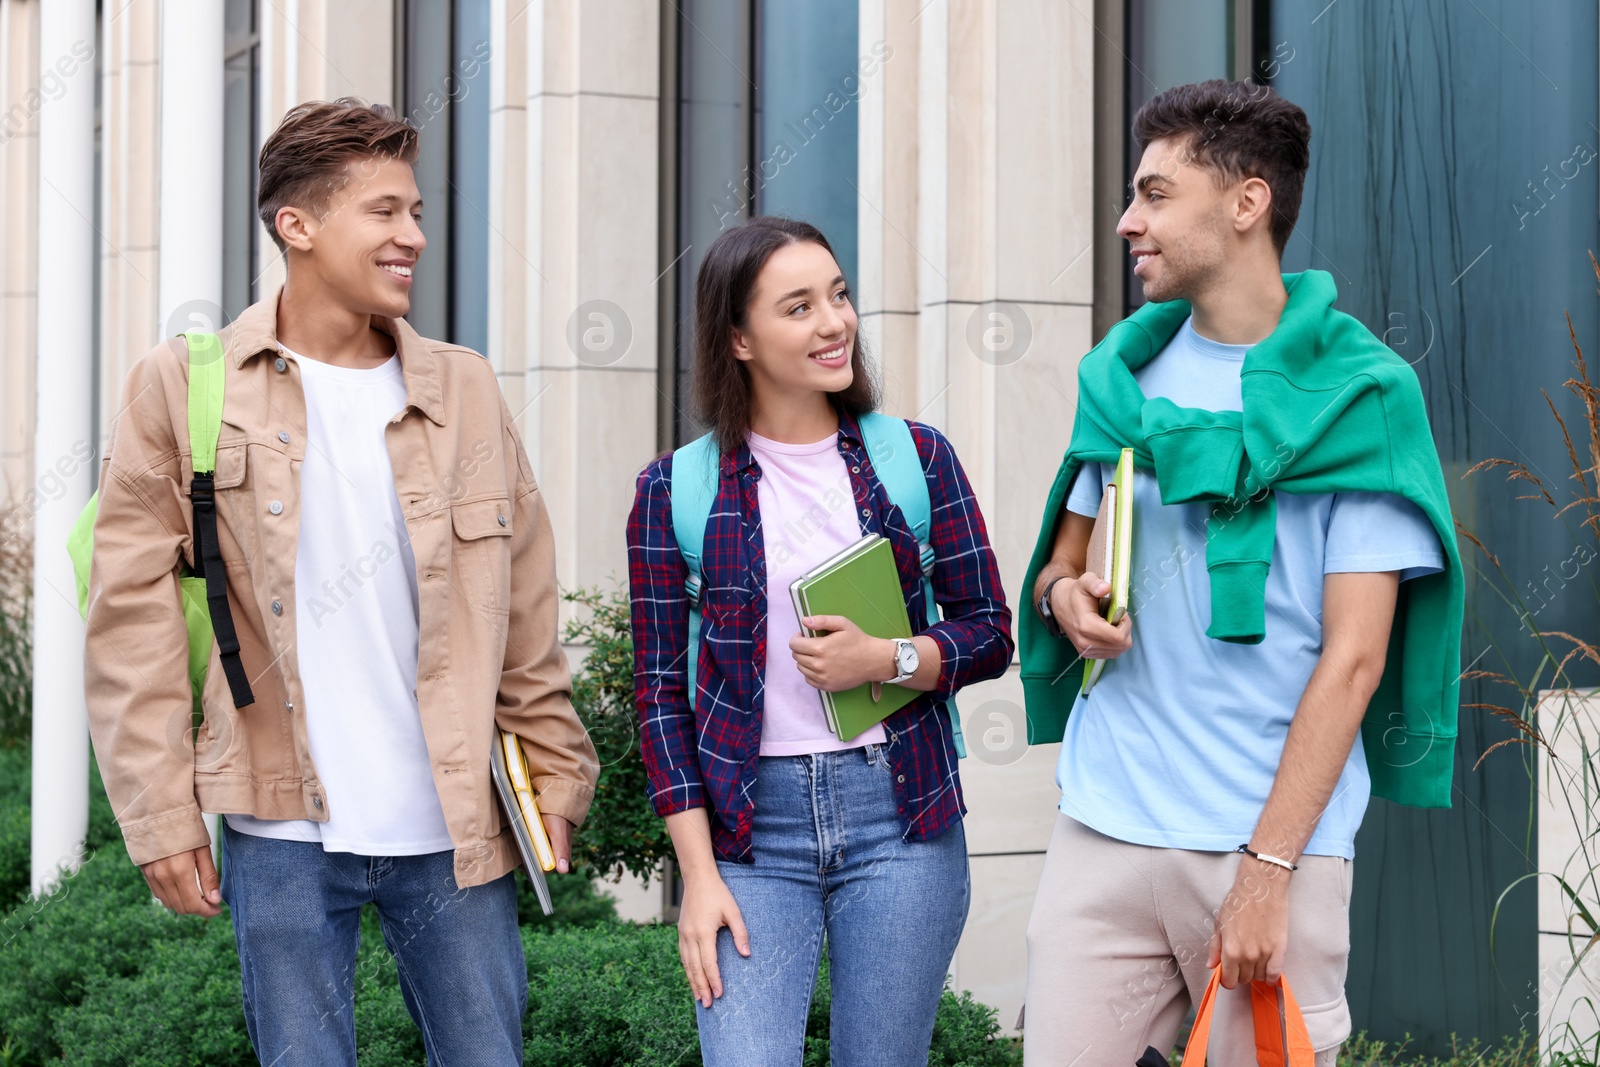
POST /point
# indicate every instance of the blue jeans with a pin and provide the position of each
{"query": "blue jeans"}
(297, 919)
(829, 859)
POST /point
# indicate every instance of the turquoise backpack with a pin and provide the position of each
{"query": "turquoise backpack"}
(202, 594)
(696, 471)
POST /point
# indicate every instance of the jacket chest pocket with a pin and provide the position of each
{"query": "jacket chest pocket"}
(236, 509)
(480, 560)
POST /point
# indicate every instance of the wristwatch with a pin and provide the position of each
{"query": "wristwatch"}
(905, 660)
(1046, 614)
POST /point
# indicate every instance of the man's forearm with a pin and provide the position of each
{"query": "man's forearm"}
(1066, 554)
(1314, 755)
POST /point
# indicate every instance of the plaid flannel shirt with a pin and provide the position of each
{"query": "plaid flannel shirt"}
(706, 756)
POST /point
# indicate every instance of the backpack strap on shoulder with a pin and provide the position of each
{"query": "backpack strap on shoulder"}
(696, 473)
(894, 457)
(893, 452)
(207, 376)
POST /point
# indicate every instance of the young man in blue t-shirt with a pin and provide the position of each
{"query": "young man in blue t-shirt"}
(1191, 745)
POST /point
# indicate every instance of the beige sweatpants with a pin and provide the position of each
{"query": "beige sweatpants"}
(1117, 952)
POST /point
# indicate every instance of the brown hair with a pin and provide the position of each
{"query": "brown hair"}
(722, 293)
(304, 162)
(1238, 130)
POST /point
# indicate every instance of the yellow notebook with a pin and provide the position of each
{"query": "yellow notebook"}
(514, 783)
(1110, 552)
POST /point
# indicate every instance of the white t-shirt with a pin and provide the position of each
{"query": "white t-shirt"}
(1178, 744)
(356, 627)
(808, 515)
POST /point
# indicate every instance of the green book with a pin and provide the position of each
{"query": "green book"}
(1110, 553)
(862, 584)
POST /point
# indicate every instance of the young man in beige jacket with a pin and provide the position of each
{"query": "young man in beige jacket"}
(391, 578)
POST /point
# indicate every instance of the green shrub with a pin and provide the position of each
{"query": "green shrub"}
(611, 994)
(966, 1033)
(15, 824)
(576, 899)
(622, 827)
(183, 1008)
(99, 924)
(16, 804)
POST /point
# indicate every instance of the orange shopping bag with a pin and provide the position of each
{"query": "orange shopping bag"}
(1281, 1039)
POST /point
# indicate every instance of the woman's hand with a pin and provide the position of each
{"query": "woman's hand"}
(707, 907)
(842, 658)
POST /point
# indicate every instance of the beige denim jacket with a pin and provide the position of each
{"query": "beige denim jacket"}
(490, 651)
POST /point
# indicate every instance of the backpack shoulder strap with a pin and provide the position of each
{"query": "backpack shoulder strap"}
(206, 380)
(696, 472)
(893, 452)
(894, 456)
(207, 377)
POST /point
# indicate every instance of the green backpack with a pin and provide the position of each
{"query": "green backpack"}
(209, 587)
(888, 440)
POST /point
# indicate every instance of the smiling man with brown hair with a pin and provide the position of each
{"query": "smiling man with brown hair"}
(1292, 645)
(391, 577)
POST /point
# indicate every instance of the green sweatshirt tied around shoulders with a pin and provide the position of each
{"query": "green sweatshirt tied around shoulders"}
(1328, 408)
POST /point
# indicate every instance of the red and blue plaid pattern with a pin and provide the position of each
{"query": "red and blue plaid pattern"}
(706, 756)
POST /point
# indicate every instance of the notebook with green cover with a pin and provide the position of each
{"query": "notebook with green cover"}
(1110, 553)
(862, 584)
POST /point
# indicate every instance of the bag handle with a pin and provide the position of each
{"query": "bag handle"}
(1281, 1041)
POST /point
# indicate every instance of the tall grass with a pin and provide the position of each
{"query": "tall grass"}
(16, 644)
(1551, 720)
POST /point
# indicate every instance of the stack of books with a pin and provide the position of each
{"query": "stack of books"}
(1110, 552)
(514, 783)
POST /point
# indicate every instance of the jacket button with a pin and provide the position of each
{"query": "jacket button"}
(855, 470)
(316, 802)
(276, 507)
(283, 435)
(901, 779)
(280, 364)
(865, 513)
(277, 607)
(502, 519)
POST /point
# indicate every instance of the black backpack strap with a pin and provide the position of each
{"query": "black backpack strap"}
(208, 562)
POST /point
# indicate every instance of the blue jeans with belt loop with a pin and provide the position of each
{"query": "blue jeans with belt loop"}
(297, 920)
(830, 860)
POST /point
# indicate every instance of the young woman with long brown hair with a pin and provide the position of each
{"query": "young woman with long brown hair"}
(785, 833)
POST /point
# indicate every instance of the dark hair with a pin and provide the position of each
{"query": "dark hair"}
(722, 293)
(1239, 130)
(304, 161)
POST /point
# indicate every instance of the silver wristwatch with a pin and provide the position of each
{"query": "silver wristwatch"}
(905, 660)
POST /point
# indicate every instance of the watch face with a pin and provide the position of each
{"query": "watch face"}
(906, 658)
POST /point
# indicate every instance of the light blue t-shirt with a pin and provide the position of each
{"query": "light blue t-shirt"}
(1179, 742)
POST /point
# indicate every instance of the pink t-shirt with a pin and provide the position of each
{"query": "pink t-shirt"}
(808, 514)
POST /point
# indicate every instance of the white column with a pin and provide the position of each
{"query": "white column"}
(62, 433)
(189, 294)
(190, 279)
